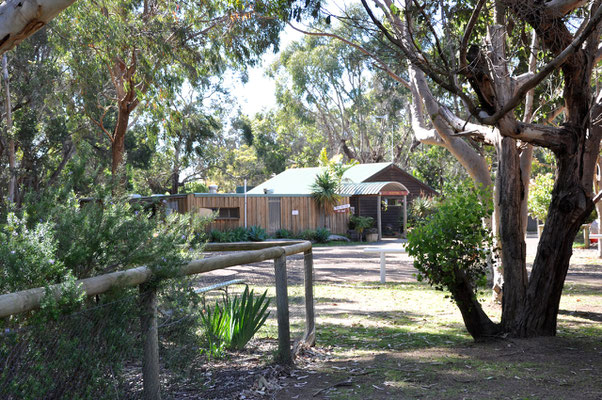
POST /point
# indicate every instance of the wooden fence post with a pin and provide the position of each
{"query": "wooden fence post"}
(586, 235)
(150, 342)
(284, 333)
(310, 319)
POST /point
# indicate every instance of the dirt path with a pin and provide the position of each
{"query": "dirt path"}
(349, 264)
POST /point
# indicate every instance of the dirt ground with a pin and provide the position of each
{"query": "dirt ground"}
(563, 367)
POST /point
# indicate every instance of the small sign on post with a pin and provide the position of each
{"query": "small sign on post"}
(295, 212)
(342, 208)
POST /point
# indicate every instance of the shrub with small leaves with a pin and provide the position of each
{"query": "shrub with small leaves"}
(454, 240)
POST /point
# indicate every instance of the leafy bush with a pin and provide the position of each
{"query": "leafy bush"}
(321, 235)
(307, 234)
(454, 241)
(540, 196)
(240, 234)
(28, 256)
(216, 236)
(284, 234)
(233, 323)
(57, 238)
(257, 234)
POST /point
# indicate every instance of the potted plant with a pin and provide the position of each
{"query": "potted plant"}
(371, 235)
(360, 224)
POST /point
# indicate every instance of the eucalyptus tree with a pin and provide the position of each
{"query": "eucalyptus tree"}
(37, 139)
(124, 54)
(338, 89)
(482, 59)
(510, 75)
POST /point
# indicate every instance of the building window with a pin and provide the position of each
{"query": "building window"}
(394, 202)
(227, 212)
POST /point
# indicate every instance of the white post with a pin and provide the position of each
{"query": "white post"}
(382, 267)
(245, 189)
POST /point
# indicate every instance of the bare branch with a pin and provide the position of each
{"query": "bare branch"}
(381, 63)
(467, 32)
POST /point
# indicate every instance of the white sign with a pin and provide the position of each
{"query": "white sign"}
(342, 207)
(295, 212)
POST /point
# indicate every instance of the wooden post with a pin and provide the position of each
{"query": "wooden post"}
(379, 219)
(150, 342)
(586, 235)
(284, 334)
(310, 319)
(405, 216)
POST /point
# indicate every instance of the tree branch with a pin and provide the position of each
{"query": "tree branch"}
(381, 63)
(546, 70)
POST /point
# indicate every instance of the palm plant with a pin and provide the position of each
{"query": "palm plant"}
(325, 191)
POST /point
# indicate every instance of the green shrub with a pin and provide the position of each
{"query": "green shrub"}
(284, 234)
(257, 234)
(57, 239)
(240, 234)
(216, 236)
(540, 196)
(307, 234)
(321, 235)
(453, 240)
(420, 209)
(28, 256)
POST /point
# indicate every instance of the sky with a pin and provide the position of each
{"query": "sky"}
(258, 93)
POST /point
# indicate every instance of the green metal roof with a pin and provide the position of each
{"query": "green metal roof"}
(372, 188)
(361, 172)
(291, 181)
(299, 180)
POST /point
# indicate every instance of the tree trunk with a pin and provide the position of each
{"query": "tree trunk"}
(118, 144)
(175, 176)
(477, 322)
(20, 19)
(571, 204)
(569, 207)
(510, 198)
(11, 148)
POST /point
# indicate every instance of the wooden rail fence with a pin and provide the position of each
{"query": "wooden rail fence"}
(247, 253)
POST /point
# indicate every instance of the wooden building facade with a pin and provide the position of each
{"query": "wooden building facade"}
(272, 212)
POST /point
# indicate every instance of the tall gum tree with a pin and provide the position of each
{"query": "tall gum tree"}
(480, 62)
(125, 54)
(568, 34)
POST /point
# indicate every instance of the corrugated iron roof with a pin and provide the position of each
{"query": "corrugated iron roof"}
(371, 188)
(299, 180)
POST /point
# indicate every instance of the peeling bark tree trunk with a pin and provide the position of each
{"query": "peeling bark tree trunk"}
(11, 148)
(20, 19)
(118, 144)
